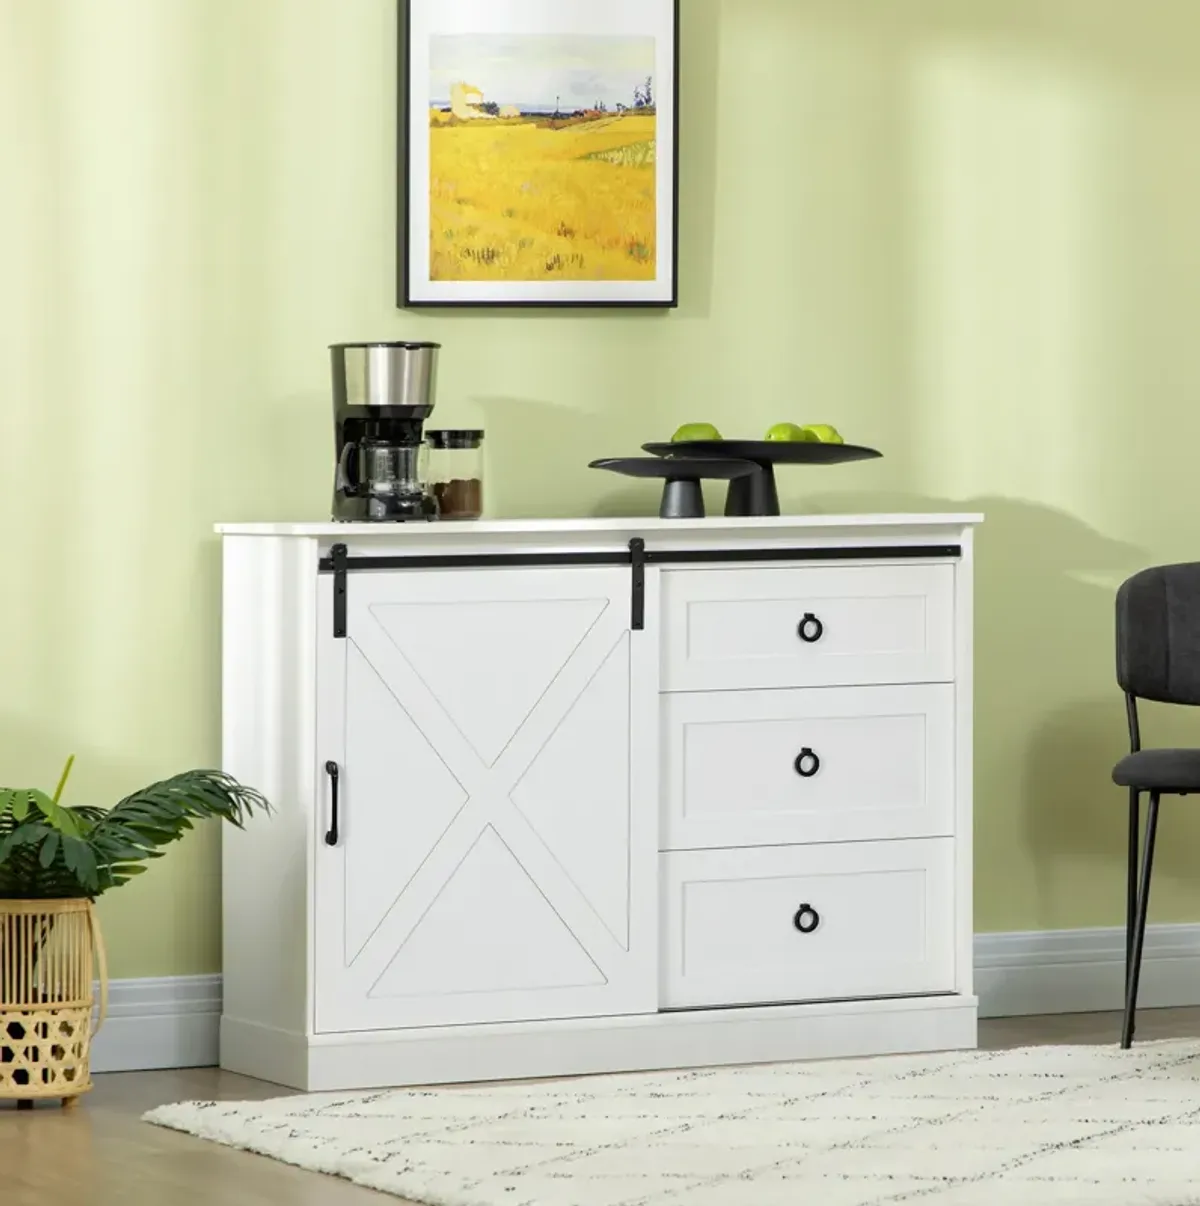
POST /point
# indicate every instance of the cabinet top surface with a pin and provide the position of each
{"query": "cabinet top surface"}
(487, 530)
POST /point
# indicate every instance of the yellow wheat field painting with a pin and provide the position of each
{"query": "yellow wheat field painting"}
(543, 163)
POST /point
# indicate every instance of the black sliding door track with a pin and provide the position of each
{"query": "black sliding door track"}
(908, 552)
(636, 556)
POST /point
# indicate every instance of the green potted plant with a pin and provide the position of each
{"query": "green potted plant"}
(55, 859)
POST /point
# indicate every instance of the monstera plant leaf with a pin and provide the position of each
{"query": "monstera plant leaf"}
(50, 850)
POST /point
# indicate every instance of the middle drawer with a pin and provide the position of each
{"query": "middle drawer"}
(769, 768)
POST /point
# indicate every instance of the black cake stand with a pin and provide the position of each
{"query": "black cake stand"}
(682, 496)
(758, 494)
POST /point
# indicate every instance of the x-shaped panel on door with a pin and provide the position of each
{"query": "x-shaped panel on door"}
(489, 790)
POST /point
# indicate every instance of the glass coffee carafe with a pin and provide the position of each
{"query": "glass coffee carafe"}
(391, 477)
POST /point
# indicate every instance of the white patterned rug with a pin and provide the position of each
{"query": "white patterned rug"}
(1036, 1127)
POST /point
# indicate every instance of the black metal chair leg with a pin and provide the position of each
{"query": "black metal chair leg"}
(1139, 933)
(1131, 886)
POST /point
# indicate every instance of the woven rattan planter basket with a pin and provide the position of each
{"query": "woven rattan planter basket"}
(50, 954)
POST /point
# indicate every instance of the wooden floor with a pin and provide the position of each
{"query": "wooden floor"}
(102, 1155)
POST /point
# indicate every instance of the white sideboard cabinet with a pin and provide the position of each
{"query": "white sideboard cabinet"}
(595, 795)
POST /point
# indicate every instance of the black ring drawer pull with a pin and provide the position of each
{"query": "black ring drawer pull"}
(807, 919)
(331, 769)
(807, 764)
(811, 629)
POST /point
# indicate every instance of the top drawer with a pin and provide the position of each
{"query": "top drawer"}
(810, 626)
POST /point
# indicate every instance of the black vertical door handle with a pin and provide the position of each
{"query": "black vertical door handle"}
(331, 769)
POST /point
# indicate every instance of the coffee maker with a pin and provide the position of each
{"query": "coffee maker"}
(382, 395)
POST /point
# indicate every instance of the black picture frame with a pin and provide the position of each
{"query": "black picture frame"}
(410, 298)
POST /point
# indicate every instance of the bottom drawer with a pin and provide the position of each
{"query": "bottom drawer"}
(805, 923)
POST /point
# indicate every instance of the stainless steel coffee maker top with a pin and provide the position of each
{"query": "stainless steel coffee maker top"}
(385, 375)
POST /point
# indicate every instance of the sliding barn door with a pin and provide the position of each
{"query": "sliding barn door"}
(493, 737)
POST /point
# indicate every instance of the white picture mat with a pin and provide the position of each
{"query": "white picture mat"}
(430, 18)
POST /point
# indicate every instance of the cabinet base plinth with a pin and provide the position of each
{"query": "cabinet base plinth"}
(588, 1046)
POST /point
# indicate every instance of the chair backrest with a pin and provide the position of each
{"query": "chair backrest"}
(1158, 634)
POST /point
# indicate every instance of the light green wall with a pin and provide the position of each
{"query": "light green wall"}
(967, 231)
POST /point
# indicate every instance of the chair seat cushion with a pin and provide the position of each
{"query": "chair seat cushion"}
(1160, 770)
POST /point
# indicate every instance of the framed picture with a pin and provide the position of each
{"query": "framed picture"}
(539, 153)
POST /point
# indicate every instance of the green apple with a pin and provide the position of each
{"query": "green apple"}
(824, 434)
(695, 431)
(789, 433)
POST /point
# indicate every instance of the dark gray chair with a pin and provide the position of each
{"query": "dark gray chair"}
(1158, 658)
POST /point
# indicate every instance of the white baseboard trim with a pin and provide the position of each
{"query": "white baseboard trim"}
(169, 1022)
(1083, 971)
(174, 1022)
